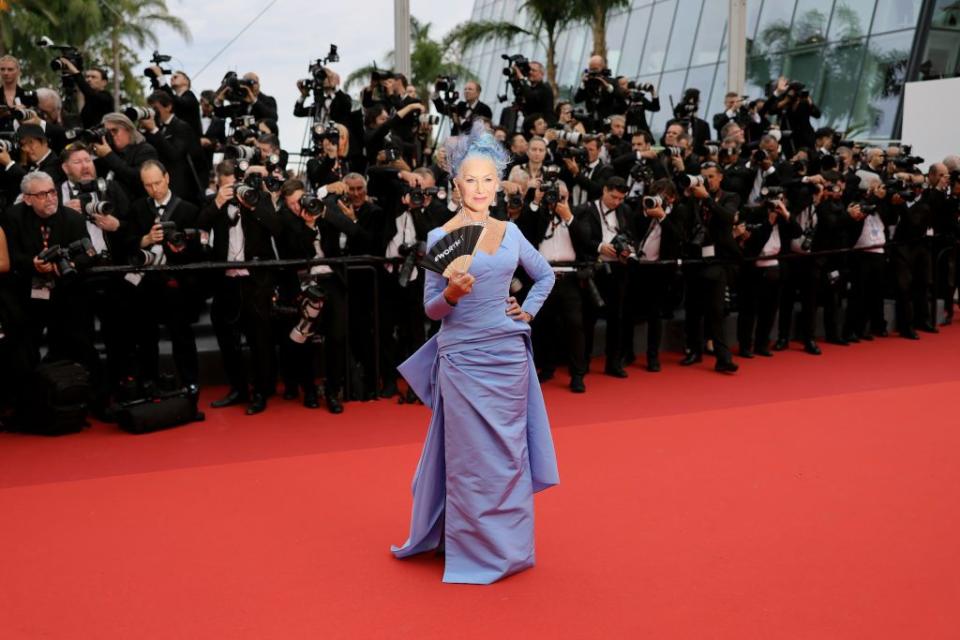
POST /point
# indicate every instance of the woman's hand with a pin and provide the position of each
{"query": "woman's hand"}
(459, 285)
(515, 312)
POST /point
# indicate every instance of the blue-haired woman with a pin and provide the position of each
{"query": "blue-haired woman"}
(489, 447)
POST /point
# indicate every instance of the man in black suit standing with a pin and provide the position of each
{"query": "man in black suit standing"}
(176, 144)
(92, 85)
(122, 152)
(533, 93)
(185, 103)
(604, 225)
(586, 182)
(791, 101)
(161, 297)
(710, 235)
(243, 223)
(33, 143)
(558, 329)
(686, 111)
(658, 232)
(330, 103)
(261, 106)
(470, 107)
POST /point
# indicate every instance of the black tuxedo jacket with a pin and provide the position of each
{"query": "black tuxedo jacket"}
(760, 234)
(50, 166)
(536, 98)
(482, 110)
(260, 225)
(590, 234)
(671, 231)
(178, 147)
(121, 210)
(25, 237)
(535, 224)
(717, 213)
(590, 180)
(125, 166)
(340, 108)
(143, 215)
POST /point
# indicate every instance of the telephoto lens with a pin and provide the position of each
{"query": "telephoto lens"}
(311, 204)
(137, 114)
(652, 202)
(100, 208)
(688, 182)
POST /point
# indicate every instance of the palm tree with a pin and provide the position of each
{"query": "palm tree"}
(548, 18)
(429, 59)
(595, 14)
(130, 26)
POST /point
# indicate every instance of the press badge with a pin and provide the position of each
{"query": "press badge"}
(708, 251)
(134, 278)
(40, 293)
(929, 232)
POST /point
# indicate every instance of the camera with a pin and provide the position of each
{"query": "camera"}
(712, 147)
(411, 252)
(136, 114)
(16, 112)
(248, 192)
(907, 162)
(66, 51)
(673, 152)
(806, 244)
(418, 196)
(519, 61)
(311, 303)
(901, 189)
(312, 205)
(235, 86)
(652, 202)
(550, 186)
(642, 172)
(447, 95)
(63, 257)
(621, 243)
(687, 181)
(87, 136)
(798, 89)
(8, 143)
(391, 154)
(572, 137)
(240, 153)
(157, 59)
(91, 206)
(576, 154)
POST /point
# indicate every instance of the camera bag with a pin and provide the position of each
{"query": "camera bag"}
(55, 399)
(162, 412)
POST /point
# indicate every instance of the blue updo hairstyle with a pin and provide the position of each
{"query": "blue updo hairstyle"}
(478, 143)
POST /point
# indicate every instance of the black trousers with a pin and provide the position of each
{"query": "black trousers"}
(241, 307)
(362, 296)
(703, 307)
(648, 290)
(611, 280)
(912, 268)
(865, 302)
(161, 299)
(810, 280)
(299, 361)
(402, 322)
(759, 297)
(16, 351)
(558, 329)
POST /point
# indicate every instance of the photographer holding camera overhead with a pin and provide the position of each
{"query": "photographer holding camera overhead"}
(733, 111)
(177, 144)
(792, 103)
(185, 103)
(596, 91)
(384, 90)
(245, 98)
(92, 85)
(527, 80)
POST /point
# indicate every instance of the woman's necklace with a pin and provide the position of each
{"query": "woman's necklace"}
(468, 220)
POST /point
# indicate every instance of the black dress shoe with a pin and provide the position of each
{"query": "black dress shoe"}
(882, 333)
(811, 347)
(616, 372)
(691, 358)
(852, 338)
(411, 397)
(232, 398)
(257, 405)
(334, 405)
(867, 337)
(629, 359)
(290, 393)
(653, 364)
(310, 400)
(389, 390)
(745, 353)
(576, 384)
(726, 366)
(781, 344)
(909, 334)
(928, 327)
(838, 341)
(545, 375)
(766, 353)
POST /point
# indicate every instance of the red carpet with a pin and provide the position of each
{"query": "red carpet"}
(813, 498)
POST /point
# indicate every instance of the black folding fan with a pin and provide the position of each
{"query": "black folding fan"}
(454, 251)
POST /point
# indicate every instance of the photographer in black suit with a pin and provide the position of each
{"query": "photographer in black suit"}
(604, 226)
(313, 231)
(791, 101)
(176, 144)
(243, 223)
(470, 107)
(92, 85)
(330, 103)
(597, 92)
(709, 235)
(161, 297)
(685, 112)
(533, 93)
(122, 151)
(586, 178)
(36, 149)
(558, 330)
(185, 104)
(658, 231)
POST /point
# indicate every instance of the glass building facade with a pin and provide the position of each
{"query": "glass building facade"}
(853, 55)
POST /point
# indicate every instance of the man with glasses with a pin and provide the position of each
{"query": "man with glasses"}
(122, 152)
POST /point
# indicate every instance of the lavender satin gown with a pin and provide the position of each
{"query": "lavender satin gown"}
(488, 448)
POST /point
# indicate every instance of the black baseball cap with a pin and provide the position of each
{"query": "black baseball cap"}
(33, 131)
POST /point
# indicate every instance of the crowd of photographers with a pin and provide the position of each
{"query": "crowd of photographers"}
(755, 212)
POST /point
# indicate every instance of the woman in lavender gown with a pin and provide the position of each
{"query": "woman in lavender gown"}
(488, 448)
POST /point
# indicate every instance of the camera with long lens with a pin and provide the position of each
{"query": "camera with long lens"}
(8, 143)
(91, 205)
(550, 186)
(771, 196)
(320, 132)
(418, 196)
(240, 153)
(311, 303)
(445, 89)
(515, 200)
(797, 90)
(17, 112)
(63, 258)
(411, 252)
(712, 147)
(136, 114)
(318, 72)
(687, 181)
(577, 154)
(391, 154)
(235, 85)
(907, 162)
(87, 136)
(519, 61)
(901, 189)
(621, 243)
(652, 202)
(157, 59)
(642, 172)
(867, 208)
(571, 137)
(673, 152)
(69, 52)
(635, 92)
(249, 191)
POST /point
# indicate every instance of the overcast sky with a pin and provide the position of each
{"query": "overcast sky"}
(283, 40)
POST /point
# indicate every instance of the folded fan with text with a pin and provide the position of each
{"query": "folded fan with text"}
(454, 251)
